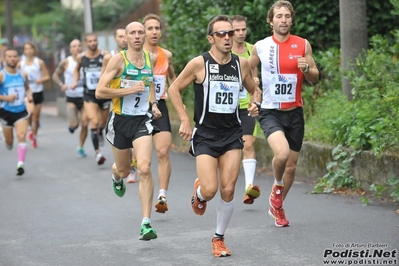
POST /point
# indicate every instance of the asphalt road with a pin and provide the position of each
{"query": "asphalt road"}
(63, 211)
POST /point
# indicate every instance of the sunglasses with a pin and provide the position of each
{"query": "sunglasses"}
(223, 33)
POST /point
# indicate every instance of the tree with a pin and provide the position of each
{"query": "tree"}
(353, 35)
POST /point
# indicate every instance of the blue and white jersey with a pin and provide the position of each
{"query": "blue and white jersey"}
(13, 84)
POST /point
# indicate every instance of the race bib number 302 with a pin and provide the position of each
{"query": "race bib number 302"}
(283, 88)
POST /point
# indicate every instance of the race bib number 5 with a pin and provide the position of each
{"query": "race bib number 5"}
(160, 82)
(283, 88)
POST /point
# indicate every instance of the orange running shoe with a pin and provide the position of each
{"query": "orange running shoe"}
(251, 193)
(279, 216)
(219, 249)
(161, 206)
(198, 206)
(276, 196)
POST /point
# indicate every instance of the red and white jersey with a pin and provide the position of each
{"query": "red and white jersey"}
(281, 78)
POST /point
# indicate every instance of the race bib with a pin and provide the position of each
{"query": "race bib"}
(282, 88)
(135, 104)
(160, 85)
(20, 92)
(92, 79)
(223, 97)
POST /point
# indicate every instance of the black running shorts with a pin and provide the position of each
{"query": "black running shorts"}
(215, 144)
(121, 131)
(247, 122)
(103, 104)
(38, 97)
(77, 101)
(290, 122)
(8, 119)
(163, 123)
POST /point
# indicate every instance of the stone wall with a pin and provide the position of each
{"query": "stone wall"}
(313, 159)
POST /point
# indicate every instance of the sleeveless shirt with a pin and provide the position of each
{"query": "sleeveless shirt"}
(91, 72)
(68, 79)
(34, 72)
(281, 78)
(245, 97)
(13, 84)
(216, 98)
(134, 104)
(160, 74)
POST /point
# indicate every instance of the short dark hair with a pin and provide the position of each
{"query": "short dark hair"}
(118, 28)
(216, 19)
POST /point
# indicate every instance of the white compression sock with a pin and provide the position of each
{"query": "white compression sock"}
(162, 193)
(224, 212)
(199, 194)
(249, 166)
(279, 183)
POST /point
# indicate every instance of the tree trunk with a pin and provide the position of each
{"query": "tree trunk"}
(353, 36)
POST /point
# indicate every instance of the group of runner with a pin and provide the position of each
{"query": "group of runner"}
(122, 96)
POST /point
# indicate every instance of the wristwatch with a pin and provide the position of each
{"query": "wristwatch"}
(60, 84)
(306, 70)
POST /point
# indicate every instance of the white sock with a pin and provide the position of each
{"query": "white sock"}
(162, 193)
(224, 212)
(199, 194)
(249, 166)
(279, 183)
(116, 180)
(145, 220)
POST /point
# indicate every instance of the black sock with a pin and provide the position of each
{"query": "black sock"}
(94, 138)
(219, 236)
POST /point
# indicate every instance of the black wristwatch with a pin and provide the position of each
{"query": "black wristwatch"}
(257, 105)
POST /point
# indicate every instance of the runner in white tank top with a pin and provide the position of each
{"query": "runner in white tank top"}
(37, 75)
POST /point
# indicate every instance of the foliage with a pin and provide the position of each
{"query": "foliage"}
(370, 121)
(338, 175)
(322, 30)
(391, 186)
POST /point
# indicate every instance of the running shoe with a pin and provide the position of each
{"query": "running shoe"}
(9, 147)
(219, 249)
(100, 159)
(119, 188)
(81, 153)
(34, 142)
(20, 170)
(132, 177)
(71, 130)
(30, 134)
(279, 217)
(161, 206)
(147, 232)
(251, 193)
(276, 196)
(198, 206)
